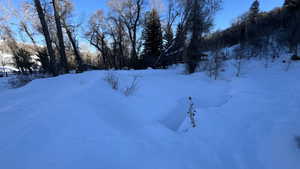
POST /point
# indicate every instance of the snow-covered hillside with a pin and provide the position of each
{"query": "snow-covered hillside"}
(79, 122)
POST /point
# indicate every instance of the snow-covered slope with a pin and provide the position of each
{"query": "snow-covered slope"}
(79, 122)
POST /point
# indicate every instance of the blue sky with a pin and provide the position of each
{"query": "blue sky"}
(231, 9)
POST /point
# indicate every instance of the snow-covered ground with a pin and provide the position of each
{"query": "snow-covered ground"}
(3, 85)
(79, 122)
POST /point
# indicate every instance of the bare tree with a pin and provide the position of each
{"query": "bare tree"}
(47, 36)
(62, 50)
(197, 20)
(130, 13)
(216, 62)
(26, 16)
(70, 27)
(10, 40)
(96, 35)
(172, 15)
(239, 55)
(120, 42)
(5, 15)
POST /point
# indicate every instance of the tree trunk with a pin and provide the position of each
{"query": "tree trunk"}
(75, 48)
(46, 33)
(60, 37)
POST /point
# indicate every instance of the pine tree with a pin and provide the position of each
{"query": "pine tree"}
(23, 60)
(44, 59)
(254, 10)
(199, 21)
(168, 37)
(286, 2)
(195, 24)
(174, 52)
(291, 3)
(152, 37)
(180, 38)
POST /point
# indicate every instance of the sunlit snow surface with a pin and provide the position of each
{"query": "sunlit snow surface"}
(78, 122)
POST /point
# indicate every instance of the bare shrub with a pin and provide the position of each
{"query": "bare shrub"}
(22, 80)
(288, 65)
(215, 65)
(238, 55)
(19, 81)
(275, 50)
(113, 80)
(129, 90)
(238, 66)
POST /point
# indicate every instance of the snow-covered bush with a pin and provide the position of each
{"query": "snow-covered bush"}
(113, 80)
(192, 112)
(129, 90)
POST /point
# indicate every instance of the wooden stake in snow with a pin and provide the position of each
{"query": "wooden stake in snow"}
(192, 112)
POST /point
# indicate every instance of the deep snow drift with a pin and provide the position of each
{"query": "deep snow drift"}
(79, 122)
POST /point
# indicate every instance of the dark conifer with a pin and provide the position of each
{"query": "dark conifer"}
(152, 39)
(291, 3)
(254, 10)
(195, 30)
(168, 37)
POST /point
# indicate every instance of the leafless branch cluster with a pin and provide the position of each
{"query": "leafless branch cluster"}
(114, 82)
(112, 79)
(129, 90)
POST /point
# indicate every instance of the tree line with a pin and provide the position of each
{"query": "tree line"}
(134, 35)
(259, 29)
(131, 35)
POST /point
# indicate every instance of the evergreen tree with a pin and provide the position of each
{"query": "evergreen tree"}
(152, 38)
(193, 25)
(23, 60)
(254, 10)
(291, 3)
(173, 53)
(168, 37)
(180, 38)
(254, 44)
(44, 59)
(199, 21)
